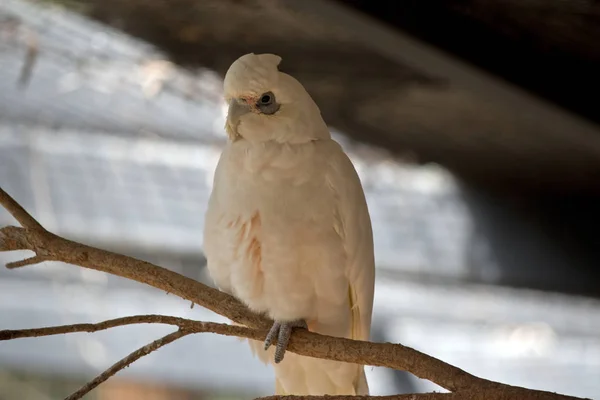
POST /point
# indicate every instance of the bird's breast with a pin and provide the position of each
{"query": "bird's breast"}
(270, 237)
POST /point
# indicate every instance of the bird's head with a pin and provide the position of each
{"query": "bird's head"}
(268, 105)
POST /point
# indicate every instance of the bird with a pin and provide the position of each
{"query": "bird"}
(287, 229)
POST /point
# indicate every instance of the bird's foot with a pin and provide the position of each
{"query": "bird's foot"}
(282, 331)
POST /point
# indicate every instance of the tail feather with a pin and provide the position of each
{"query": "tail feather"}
(279, 388)
(299, 375)
(362, 387)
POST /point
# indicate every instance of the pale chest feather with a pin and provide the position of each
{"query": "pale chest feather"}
(272, 236)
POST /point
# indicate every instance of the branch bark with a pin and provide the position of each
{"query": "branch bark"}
(48, 246)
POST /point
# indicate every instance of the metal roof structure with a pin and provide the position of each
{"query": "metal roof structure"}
(381, 86)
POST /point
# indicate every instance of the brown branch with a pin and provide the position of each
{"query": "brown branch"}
(52, 247)
(411, 396)
(48, 246)
(311, 344)
(474, 394)
(125, 362)
(56, 248)
(18, 212)
(28, 261)
(184, 324)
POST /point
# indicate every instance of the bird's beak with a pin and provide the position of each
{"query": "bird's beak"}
(237, 108)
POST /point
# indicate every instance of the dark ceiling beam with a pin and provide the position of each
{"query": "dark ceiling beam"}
(406, 50)
(546, 47)
(379, 86)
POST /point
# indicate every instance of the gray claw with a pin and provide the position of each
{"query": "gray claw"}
(282, 331)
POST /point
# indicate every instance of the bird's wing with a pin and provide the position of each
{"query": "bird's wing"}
(353, 224)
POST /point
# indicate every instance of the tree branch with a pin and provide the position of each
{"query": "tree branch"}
(124, 362)
(303, 342)
(52, 247)
(412, 396)
(18, 212)
(48, 246)
(187, 325)
(311, 344)
(475, 394)
(28, 261)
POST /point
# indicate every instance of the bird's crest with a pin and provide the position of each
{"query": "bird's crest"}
(252, 74)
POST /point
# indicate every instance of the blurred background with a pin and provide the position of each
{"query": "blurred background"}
(473, 126)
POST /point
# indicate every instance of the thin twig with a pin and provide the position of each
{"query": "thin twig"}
(28, 261)
(18, 212)
(124, 362)
(185, 324)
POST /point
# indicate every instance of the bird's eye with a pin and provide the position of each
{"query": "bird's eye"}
(265, 99)
(267, 104)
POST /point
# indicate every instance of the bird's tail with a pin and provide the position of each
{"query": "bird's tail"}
(299, 375)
